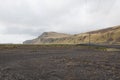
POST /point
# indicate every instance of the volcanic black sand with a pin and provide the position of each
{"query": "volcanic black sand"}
(58, 63)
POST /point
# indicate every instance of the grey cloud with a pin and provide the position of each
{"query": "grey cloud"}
(32, 17)
(21, 30)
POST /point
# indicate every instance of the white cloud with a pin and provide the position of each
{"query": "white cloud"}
(32, 17)
(7, 38)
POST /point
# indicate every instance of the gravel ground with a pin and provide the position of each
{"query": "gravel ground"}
(45, 63)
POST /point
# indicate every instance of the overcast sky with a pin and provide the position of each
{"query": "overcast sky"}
(21, 20)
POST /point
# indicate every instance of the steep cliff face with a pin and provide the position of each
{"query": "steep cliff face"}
(105, 36)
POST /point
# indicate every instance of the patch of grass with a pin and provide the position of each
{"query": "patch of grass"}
(37, 46)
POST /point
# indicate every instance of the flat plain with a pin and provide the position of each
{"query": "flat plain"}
(63, 62)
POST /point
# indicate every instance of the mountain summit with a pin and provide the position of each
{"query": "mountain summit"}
(104, 36)
(53, 35)
(47, 37)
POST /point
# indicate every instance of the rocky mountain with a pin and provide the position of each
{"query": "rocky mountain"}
(47, 38)
(104, 36)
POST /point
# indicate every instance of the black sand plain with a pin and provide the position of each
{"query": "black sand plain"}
(36, 62)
